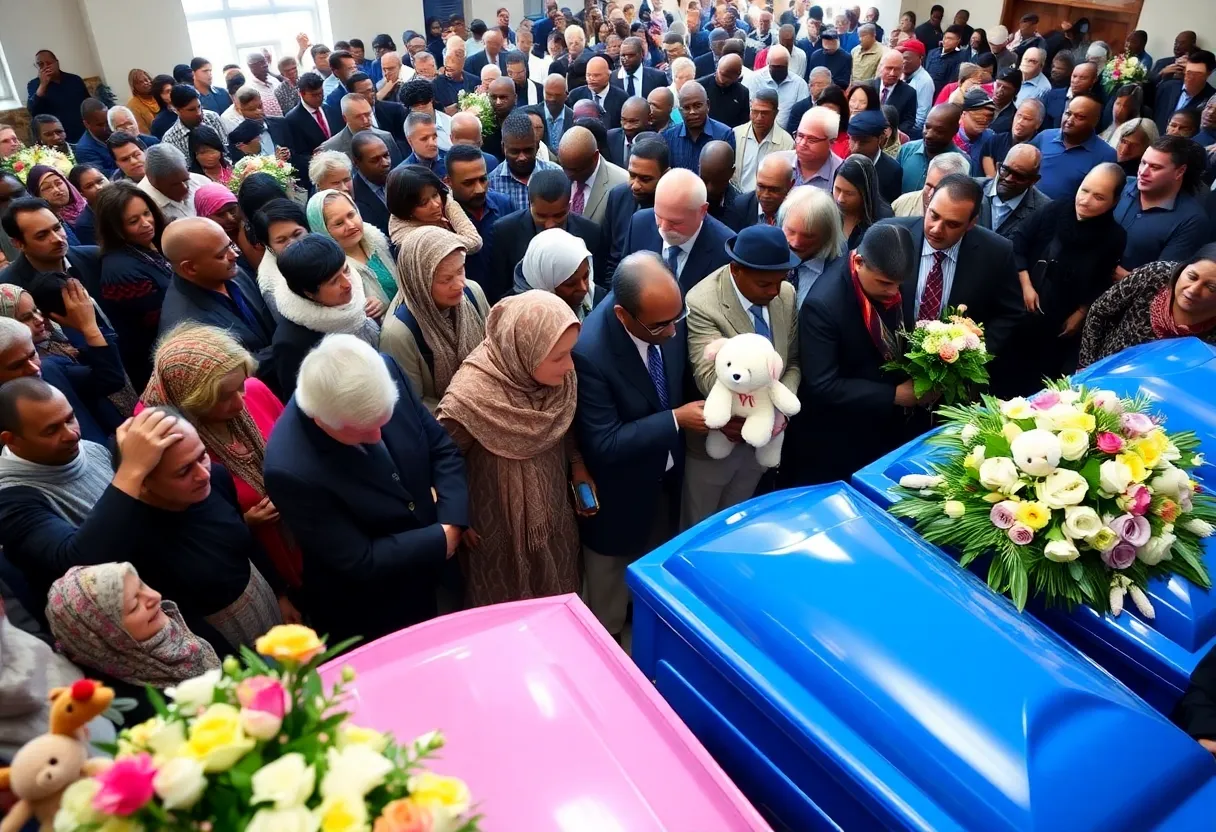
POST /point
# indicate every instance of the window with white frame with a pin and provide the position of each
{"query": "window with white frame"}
(224, 31)
(10, 96)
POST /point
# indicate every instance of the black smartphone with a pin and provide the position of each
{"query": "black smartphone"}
(584, 497)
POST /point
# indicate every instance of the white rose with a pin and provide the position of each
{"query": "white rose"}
(1081, 522)
(180, 782)
(1061, 551)
(1074, 444)
(1107, 400)
(296, 819)
(1202, 528)
(167, 739)
(975, 457)
(356, 769)
(259, 724)
(919, 481)
(196, 693)
(1172, 454)
(1000, 474)
(1016, 408)
(1114, 477)
(1172, 482)
(969, 433)
(287, 782)
(1068, 396)
(1062, 488)
(1011, 431)
(1198, 457)
(76, 806)
(1037, 452)
(1156, 550)
(954, 509)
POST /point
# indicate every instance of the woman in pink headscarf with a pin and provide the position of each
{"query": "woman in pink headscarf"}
(215, 202)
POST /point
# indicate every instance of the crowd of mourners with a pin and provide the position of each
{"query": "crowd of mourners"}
(463, 359)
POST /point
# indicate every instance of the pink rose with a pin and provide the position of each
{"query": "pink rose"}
(264, 693)
(1133, 530)
(1021, 534)
(1110, 443)
(1121, 556)
(1138, 499)
(1135, 424)
(948, 353)
(126, 786)
(1045, 400)
(1002, 515)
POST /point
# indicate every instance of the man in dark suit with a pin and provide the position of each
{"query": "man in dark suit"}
(207, 287)
(635, 115)
(371, 486)
(309, 125)
(726, 204)
(41, 251)
(388, 116)
(648, 161)
(631, 360)
(372, 161)
(493, 52)
(865, 137)
(343, 65)
(597, 89)
(548, 207)
(632, 77)
(698, 38)
(930, 32)
(1083, 81)
(691, 242)
(1191, 92)
(893, 90)
(707, 62)
(960, 264)
(1010, 198)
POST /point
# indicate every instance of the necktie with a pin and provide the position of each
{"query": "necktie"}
(758, 319)
(578, 201)
(630, 89)
(885, 90)
(935, 285)
(654, 366)
(673, 259)
(793, 277)
(321, 122)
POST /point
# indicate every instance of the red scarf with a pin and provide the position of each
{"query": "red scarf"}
(1161, 316)
(884, 339)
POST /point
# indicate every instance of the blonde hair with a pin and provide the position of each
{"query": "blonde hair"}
(175, 356)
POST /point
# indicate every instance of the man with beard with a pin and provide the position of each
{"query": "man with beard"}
(635, 115)
(1011, 197)
(519, 147)
(470, 183)
(648, 161)
(941, 126)
(527, 92)
(502, 101)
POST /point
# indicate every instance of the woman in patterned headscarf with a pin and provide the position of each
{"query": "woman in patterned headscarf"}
(856, 193)
(206, 374)
(105, 618)
(66, 202)
(509, 409)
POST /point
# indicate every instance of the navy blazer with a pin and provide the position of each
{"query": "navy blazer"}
(615, 225)
(306, 137)
(652, 79)
(86, 383)
(89, 151)
(708, 252)
(473, 63)
(1169, 93)
(616, 147)
(370, 207)
(84, 264)
(903, 98)
(698, 43)
(705, 65)
(390, 117)
(511, 236)
(369, 530)
(890, 178)
(625, 435)
(735, 211)
(614, 99)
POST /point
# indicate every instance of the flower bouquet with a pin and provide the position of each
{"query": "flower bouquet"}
(1078, 495)
(477, 103)
(23, 161)
(1123, 69)
(282, 172)
(259, 745)
(946, 357)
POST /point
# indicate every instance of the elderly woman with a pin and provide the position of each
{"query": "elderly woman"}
(88, 180)
(142, 103)
(134, 274)
(855, 191)
(1157, 300)
(441, 317)
(208, 155)
(556, 261)
(106, 619)
(1131, 139)
(417, 197)
(509, 410)
(65, 201)
(206, 374)
(1065, 254)
(334, 214)
(1127, 104)
(329, 170)
(317, 296)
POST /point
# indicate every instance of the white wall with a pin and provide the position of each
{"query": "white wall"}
(1163, 19)
(149, 34)
(26, 27)
(367, 18)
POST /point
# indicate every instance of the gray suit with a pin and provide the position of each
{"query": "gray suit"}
(1033, 201)
(595, 204)
(715, 311)
(341, 143)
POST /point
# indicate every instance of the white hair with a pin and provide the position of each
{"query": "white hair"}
(574, 31)
(821, 71)
(816, 213)
(680, 65)
(117, 111)
(1097, 49)
(490, 72)
(325, 162)
(1136, 125)
(685, 183)
(393, 56)
(344, 382)
(949, 163)
(350, 100)
(827, 120)
(11, 333)
(425, 57)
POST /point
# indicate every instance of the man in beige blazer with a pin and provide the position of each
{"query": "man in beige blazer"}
(749, 294)
(757, 138)
(591, 176)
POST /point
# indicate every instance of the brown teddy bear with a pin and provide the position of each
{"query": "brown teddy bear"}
(48, 764)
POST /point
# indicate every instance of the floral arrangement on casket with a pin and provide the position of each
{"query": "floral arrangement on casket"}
(258, 745)
(1081, 497)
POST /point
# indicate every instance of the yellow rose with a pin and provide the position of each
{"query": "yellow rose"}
(1147, 450)
(350, 734)
(1135, 464)
(76, 806)
(438, 793)
(135, 739)
(1011, 431)
(1033, 514)
(1075, 421)
(290, 643)
(216, 739)
(342, 813)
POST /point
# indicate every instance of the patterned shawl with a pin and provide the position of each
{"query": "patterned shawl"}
(1161, 316)
(85, 611)
(76, 204)
(57, 344)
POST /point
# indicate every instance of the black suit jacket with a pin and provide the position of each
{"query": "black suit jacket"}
(731, 105)
(1169, 93)
(652, 79)
(698, 43)
(614, 99)
(84, 264)
(306, 137)
(616, 147)
(474, 63)
(733, 211)
(615, 225)
(368, 527)
(794, 116)
(903, 98)
(708, 252)
(370, 207)
(890, 178)
(280, 133)
(705, 64)
(390, 116)
(514, 232)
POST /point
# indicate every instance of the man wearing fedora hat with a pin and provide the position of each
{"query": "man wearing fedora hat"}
(749, 294)
(865, 137)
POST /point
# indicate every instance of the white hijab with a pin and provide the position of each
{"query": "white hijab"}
(551, 260)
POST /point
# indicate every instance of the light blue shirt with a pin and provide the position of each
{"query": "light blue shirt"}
(922, 82)
(267, 143)
(556, 126)
(949, 262)
(1000, 209)
(808, 272)
(1036, 87)
(789, 92)
(331, 84)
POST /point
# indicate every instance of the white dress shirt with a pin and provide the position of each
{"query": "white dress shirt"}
(175, 210)
(684, 249)
(312, 113)
(643, 352)
(949, 263)
(443, 130)
(231, 118)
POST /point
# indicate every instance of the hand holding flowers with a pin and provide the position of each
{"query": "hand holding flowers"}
(944, 357)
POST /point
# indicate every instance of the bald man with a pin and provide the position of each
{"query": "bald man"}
(776, 75)
(209, 288)
(591, 176)
(725, 201)
(466, 129)
(598, 89)
(727, 97)
(686, 140)
(1010, 197)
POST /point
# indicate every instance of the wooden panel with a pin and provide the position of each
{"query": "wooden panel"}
(1107, 22)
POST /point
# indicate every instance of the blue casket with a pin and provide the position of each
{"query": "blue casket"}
(1154, 658)
(846, 676)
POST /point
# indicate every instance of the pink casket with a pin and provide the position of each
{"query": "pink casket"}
(547, 720)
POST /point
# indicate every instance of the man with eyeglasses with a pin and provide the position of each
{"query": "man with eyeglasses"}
(631, 358)
(817, 163)
(1011, 197)
(57, 93)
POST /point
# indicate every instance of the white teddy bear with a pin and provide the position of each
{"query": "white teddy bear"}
(748, 385)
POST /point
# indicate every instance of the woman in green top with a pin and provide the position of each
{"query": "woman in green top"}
(333, 213)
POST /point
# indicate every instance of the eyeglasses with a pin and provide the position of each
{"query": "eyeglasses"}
(657, 329)
(807, 138)
(1005, 172)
